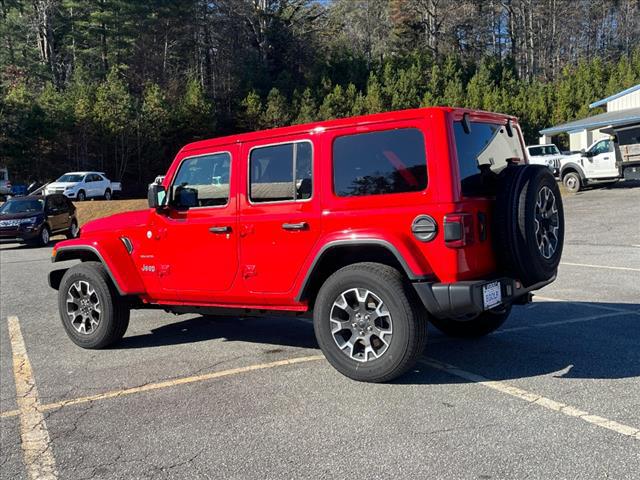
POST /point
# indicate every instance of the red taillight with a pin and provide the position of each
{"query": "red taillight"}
(458, 230)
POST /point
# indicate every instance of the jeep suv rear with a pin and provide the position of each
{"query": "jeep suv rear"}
(374, 225)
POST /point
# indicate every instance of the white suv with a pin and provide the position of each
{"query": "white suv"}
(547, 155)
(83, 185)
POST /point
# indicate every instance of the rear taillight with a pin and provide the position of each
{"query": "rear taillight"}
(458, 230)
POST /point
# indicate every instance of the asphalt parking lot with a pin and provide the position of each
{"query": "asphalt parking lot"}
(555, 393)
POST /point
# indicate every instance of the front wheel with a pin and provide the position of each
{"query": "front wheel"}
(107, 194)
(81, 196)
(473, 327)
(572, 182)
(369, 323)
(93, 314)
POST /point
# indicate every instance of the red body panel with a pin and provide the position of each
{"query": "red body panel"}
(176, 260)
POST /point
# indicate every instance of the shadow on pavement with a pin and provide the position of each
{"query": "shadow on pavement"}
(284, 331)
(6, 246)
(607, 347)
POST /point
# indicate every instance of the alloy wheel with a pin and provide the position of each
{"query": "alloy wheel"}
(83, 307)
(361, 324)
(547, 222)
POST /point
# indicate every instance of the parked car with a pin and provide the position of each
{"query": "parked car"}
(83, 185)
(547, 155)
(34, 219)
(596, 165)
(374, 225)
(5, 184)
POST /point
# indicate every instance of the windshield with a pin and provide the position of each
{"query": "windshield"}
(486, 148)
(543, 150)
(70, 177)
(31, 205)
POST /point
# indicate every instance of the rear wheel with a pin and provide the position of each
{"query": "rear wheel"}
(107, 194)
(473, 327)
(93, 314)
(572, 182)
(73, 230)
(45, 236)
(368, 322)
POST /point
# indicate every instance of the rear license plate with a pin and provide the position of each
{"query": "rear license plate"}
(491, 294)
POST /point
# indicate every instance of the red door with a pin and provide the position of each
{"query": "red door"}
(279, 213)
(197, 238)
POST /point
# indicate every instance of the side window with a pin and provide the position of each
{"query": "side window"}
(390, 161)
(202, 181)
(602, 146)
(281, 172)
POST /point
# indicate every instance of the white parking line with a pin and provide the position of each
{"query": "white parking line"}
(534, 398)
(590, 304)
(35, 441)
(587, 265)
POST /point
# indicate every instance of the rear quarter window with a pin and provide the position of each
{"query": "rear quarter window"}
(484, 150)
(378, 163)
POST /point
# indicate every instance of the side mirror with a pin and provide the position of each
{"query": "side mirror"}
(156, 196)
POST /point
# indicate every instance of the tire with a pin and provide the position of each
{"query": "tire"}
(73, 230)
(572, 182)
(81, 196)
(405, 324)
(107, 194)
(44, 238)
(528, 230)
(478, 326)
(113, 318)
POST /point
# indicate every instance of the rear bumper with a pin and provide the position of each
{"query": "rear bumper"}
(465, 298)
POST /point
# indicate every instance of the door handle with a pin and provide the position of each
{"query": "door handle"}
(225, 229)
(295, 226)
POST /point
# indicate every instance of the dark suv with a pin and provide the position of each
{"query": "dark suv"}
(35, 219)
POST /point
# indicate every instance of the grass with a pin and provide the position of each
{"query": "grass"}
(92, 209)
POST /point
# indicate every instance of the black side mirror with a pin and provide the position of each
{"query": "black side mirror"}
(185, 197)
(156, 196)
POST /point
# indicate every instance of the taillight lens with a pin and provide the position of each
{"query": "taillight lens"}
(458, 230)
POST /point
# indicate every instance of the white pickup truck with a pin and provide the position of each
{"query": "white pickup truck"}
(83, 185)
(595, 165)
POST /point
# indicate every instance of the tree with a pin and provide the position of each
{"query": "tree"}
(276, 112)
(307, 109)
(113, 114)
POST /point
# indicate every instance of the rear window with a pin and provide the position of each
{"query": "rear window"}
(485, 148)
(376, 163)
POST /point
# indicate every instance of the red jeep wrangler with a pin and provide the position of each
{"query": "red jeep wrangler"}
(376, 224)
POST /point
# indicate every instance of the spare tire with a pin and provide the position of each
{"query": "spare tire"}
(528, 228)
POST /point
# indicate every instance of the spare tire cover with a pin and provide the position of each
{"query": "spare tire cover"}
(528, 228)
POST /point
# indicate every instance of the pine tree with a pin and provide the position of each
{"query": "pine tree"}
(276, 113)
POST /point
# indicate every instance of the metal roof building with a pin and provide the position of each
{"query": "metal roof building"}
(623, 108)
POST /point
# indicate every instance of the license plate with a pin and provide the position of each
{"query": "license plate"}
(491, 294)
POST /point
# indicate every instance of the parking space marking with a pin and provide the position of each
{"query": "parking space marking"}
(534, 398)
(35, 441)
(590, 304)
(169, 383)
(587, 265)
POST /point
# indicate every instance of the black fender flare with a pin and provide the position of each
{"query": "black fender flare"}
(78, 252)
(354, 243)
(573, 166)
